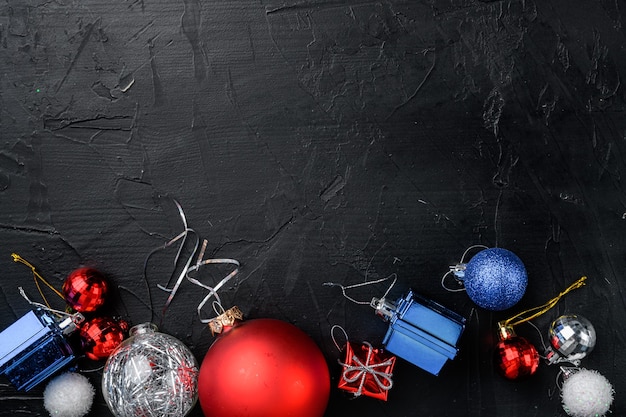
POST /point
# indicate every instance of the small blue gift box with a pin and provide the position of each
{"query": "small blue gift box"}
(35, 347)
(421, 331)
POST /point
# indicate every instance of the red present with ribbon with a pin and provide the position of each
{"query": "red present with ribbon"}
(367, 371)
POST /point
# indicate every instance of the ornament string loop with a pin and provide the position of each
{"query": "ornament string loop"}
(362, 284)
(360, 371)
(543, 342)
(539, 310)
(458, 270)
(564, 372)
(36, 277)
(332, 335)
(76, 318)
(218, 308)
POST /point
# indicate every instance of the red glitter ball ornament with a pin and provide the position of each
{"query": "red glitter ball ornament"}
(263, 368)
(85, 289)
(101, 335)
(515, 357)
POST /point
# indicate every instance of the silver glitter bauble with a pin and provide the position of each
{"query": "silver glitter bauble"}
(150, 374)
(572, 337)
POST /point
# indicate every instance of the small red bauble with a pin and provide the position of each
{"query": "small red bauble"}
(101, 335)
(515, 357)
(264, 368)
(85, 289)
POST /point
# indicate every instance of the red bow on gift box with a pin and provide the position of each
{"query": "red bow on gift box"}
(367, 371)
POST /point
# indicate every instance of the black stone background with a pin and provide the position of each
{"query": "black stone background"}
(320, 141)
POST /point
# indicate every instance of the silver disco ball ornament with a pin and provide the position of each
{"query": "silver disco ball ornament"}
(572, 338)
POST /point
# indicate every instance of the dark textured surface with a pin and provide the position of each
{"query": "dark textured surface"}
(320, 141)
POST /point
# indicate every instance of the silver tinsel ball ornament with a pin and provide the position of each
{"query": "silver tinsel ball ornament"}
(572, 338)
(150, 374)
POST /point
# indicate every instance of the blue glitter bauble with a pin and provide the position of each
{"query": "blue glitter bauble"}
(495, 279)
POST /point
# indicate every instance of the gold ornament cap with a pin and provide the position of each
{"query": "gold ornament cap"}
(505, 331)
(227, 319)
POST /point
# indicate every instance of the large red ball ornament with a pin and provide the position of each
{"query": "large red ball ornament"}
(515, 357)
(100, 336)
(264, 368)
(85, 289)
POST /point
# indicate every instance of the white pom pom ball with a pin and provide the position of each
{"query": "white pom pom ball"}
(587, 393)
(68, 395)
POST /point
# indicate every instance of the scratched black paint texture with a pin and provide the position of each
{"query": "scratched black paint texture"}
(322, 141)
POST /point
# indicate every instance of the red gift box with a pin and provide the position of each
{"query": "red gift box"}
(367, 371)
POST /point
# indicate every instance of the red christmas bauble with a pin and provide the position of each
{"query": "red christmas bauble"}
(101, 335)
(85, 289)
(516, 357)
(264, 368)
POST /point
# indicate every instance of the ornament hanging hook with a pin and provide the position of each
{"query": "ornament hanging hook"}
(75, 318)
(564, 372)
(217, 307)
(332, 335)
(543, 342)
(363, 284)
(37, 277)
(458, 270)
(453, 270)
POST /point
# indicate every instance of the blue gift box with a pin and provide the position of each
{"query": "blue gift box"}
(421, 331)
(35, 347)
